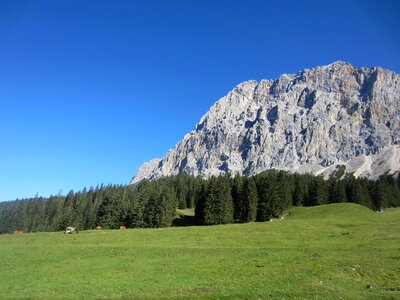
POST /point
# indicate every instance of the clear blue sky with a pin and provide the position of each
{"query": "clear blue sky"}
(89, 90)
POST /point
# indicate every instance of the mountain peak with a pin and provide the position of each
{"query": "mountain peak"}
(317, 120)
(339, 64)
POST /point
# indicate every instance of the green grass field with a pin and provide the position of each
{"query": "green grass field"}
(332, 251)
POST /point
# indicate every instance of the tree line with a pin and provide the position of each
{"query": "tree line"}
(217, 200)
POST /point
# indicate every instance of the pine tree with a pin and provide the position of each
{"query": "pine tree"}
(285, 193)
(111, 213)
(377, 193)
(181, 190)
(318, 192)
(218, 205)
(199, 211)
(53, 212)
(268, 198)
(226, 199)
(300, 192)
(337, 191)
(250, 199)
(238, 200)
(357, 191)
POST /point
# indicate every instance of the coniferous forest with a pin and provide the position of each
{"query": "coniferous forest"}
(218, 200)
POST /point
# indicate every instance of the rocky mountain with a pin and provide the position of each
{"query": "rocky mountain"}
(333, 119)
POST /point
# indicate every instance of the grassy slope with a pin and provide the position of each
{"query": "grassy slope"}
(328, 251)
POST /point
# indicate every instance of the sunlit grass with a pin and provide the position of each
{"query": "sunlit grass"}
(333, 251)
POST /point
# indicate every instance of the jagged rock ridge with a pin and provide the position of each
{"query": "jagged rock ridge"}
(319, 120)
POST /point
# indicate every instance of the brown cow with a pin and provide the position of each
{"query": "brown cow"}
(98, 228)
(18, 232)
(122, 227)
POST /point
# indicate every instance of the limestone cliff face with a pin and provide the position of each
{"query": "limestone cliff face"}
(317, 121)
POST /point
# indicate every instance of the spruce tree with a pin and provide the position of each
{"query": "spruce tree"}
(238, 199)
(199, 211)
(284, 192)
(218, 205)
(250, 199)
(300, 192)
(268, 198)
(318, 192)
(337, 191)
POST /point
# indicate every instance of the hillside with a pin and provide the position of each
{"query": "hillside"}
(331, 212)
(325, 120)
(326, 252)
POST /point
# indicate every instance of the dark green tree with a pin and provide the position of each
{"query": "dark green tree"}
(300, 191)
(317, 192)
(238, 201)
(268, 197)
(337, 190)
(218, 205)
(250, 199)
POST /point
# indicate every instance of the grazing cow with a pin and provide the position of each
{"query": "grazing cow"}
(70, 230)
(18, 232)
(122, 227)
(98, 228)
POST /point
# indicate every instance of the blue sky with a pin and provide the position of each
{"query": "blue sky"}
(89, 90)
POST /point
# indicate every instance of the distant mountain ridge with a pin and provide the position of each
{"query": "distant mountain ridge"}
(328, 120)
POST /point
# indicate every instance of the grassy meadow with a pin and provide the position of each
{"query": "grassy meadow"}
(337, 251)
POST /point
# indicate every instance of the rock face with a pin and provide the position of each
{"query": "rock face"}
(323, 120)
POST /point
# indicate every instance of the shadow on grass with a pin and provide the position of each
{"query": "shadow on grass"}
(183, 220)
